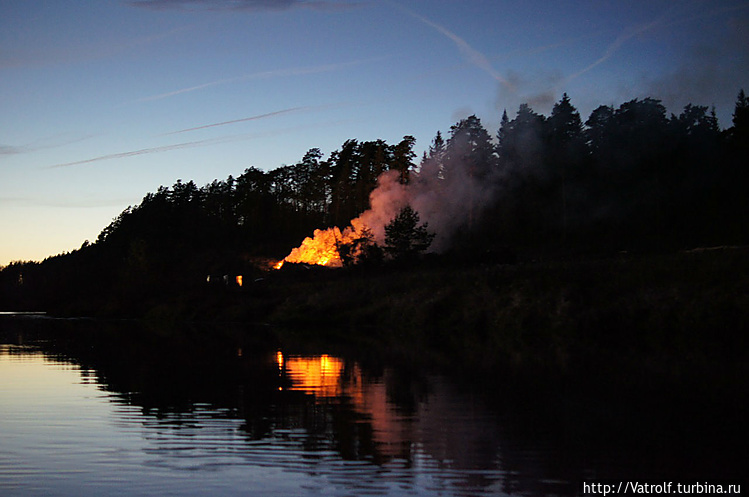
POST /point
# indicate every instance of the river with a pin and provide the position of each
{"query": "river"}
(94, 408)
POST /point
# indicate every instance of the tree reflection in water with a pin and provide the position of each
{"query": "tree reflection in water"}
(227, 397)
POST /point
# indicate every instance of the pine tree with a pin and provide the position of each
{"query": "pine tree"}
(566, 147)
(404, 237)
(739, 133)
(432, 165)
(403, 156)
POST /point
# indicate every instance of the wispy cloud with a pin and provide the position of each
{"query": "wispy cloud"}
(294, 71)
(243, 5)
(473, 56)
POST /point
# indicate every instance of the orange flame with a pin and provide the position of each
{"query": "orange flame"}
(385, 202)
(322, 247)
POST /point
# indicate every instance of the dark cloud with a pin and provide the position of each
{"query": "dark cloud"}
(243, 5)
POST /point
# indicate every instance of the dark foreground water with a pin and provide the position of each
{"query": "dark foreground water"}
(89, 408)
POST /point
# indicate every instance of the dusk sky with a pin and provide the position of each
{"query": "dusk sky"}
(103, 101)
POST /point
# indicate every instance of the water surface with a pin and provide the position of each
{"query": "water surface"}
(93, 409)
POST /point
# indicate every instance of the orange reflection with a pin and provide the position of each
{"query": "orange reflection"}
(327, 377)
(320, 375)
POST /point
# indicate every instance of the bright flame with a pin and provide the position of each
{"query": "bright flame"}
(385, 201)
(322, 247)
(239, 280)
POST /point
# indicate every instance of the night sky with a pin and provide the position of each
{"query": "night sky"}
(102, 101)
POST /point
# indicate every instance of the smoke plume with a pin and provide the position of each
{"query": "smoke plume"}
(446, 200)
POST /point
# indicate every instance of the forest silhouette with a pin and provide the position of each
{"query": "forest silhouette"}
(631, 178)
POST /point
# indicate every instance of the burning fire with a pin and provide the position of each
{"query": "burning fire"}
(322, 247)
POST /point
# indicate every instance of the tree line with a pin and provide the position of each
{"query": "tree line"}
(630, 177)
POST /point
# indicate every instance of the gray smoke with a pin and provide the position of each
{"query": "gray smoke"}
(446, 202)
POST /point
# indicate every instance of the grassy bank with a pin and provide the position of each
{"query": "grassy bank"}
(677, 316)
(683, 314)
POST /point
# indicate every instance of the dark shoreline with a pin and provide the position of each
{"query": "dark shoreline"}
(681, 318)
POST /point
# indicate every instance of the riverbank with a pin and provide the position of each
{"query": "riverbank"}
(673, 315)
(678, 316)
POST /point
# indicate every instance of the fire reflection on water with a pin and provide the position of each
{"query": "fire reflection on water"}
(319, 375)
(331, 379)
(338, 427)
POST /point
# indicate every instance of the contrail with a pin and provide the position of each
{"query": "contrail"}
(615, 46)
(473, 56)
(244, 119)
(255, 118)
(192, 144)
(295, 71)
(523, 52)
(12, 149)
(631, 33)
(132, 153)
(41, 144)
(187, 90)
